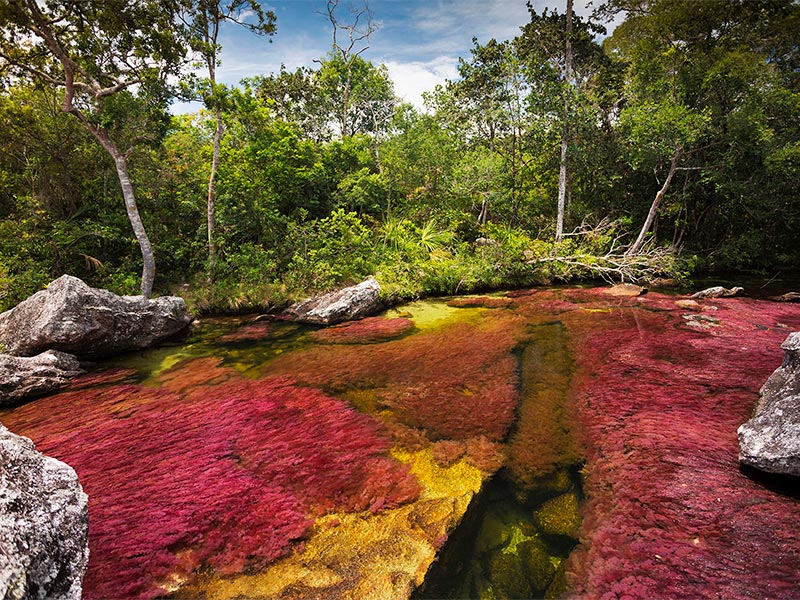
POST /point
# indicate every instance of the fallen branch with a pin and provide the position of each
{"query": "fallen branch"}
(614, 267)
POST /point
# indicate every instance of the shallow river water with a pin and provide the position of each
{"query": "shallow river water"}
(439, 450)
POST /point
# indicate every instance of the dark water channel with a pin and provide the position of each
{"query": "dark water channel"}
(515, 538)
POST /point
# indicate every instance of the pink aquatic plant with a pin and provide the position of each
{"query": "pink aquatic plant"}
(227, 477)
(457, 381)
(257, 330)
(668, 512)
(481, 302)
(371, 329)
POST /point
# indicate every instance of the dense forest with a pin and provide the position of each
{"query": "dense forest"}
(668, 147)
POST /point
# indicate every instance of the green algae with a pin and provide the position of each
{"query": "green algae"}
(559, 515)
(246, 357)
(508, 573)
(430, 314)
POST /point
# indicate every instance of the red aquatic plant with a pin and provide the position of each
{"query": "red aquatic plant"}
(481, 302)
(668, 512)
(257, 330)
(371, 329)
(227, 477)
(457, 381)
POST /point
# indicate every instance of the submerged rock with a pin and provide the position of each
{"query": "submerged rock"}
(27, 377)
(371, 329)
(718, 291)
(508, 574)
(770, 440)
(538, 565)
(350, 303)
(72, 317)
(560, 516)
(44, 524)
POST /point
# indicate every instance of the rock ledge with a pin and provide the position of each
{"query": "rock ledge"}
(349, 303)
(72, 317)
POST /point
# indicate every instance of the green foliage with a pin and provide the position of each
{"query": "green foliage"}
(461, 199)
(318, 247)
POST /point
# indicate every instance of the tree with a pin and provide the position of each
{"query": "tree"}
(562, 172)
(711, 91)
(295, 97)
(359, 95)
(204, 21)
(660, 133)
(356, 42)
(112, 60)
(563, 64)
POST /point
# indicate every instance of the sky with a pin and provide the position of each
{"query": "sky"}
(419, 41)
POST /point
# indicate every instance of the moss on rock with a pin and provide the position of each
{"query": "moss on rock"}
(559, 515)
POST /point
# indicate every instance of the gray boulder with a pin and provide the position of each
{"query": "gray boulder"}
(23, 377)
(350, 303)
(770, 441)
(72, 317)
(44, 524)
(718, 292)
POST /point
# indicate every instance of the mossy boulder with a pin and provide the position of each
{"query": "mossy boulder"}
(558, 587)
(559, 516)
(540, 569)
(493, 534)
(509, 577)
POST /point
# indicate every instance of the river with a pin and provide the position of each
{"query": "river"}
(447, 448)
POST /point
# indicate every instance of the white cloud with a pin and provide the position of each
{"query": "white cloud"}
(455, 22)
(411, 79)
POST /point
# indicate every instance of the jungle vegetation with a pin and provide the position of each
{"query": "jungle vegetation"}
(672, 146)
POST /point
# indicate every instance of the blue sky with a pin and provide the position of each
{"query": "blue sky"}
(419, 41)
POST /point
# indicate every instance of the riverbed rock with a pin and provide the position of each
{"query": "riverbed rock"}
(625, 290)
(718, 291)
(770, 440)
(347, 304)
(559, 516)
(44, 524)
(537, 563)
(787, 297)
(72, 317)
(23, 377)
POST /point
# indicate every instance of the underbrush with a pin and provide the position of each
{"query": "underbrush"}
(412, 260)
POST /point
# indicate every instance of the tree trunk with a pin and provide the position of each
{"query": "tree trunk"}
(149, 263)
(346, 102)
(121, 164)
(562, 189)
(651, 214)
(562, 171)
(212, 247)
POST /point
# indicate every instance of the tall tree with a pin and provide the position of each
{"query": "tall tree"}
(562, 171)
(112, 59)
(204, 20)
(350, 40)
(564, 64)
(366, 90)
